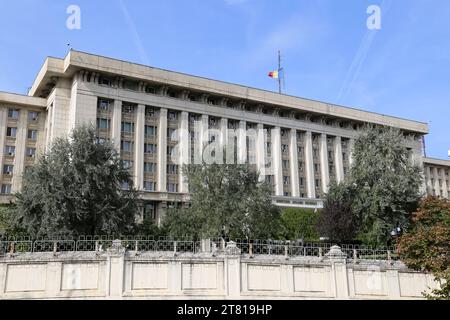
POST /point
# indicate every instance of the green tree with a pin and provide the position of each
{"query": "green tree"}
(300, 224)
(426, 246)
(225, 197)
(338, 221)
(76, 188)
(385, 183)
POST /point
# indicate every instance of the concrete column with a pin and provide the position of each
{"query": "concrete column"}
(260, 152)
(437, 187)
(338, 159)
(276, 161)
(309, 166)
(223, 132)
(429, 186)
(19, 158)
(3, 119)
(293, 161)
(116, 126)
(324, 170)
(444, 184)
(351, 145)
(139, 148)
(162, 151)
(183, 143)
(242, 142)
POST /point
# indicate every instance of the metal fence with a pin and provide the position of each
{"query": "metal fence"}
(165, 244)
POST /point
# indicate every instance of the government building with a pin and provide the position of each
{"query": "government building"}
(160, 120)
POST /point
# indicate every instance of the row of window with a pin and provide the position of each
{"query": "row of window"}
(14, 115)
(11, 151)
(150, 167)
(11, 132)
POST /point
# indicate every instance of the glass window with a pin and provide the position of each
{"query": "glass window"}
(150, 148)
(33, 116)
(6, 189)
(150, 111)
(172, 169)
(32, 134)
(150, 131)
(149, 167)
(11, 132)
(10, 150)
(8, 169)
(127, 108)
(172, 187)
(149, 185)
(127, 127)
(172, 115)
(31, 152)
(149, 211)
(103, 123)
(13, 113)
(127, 164)
(126, 146)
(103, 104)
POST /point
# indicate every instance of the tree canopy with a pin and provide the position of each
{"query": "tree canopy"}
(76, 188)
(300, 224)
(225, 198)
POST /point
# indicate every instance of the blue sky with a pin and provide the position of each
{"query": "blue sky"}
(328, 53)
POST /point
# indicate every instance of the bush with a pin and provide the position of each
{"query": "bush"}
(300, 224)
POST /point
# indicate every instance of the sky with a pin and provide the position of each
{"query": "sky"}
(328, 52)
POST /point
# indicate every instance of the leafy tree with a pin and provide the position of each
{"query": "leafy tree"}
(225, 198)
(426, 246)
(337, 221)
(76, 188)
(385, 182)
(300, 224)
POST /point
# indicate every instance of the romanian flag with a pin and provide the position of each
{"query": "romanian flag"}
(273, 74)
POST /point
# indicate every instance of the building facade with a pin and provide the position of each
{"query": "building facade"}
(159, 120)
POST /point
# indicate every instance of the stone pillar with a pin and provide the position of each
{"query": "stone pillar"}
(276, 161)
(309, 166)
(437, 187)
(183, 142)
(19, 159)
(162, 151)
(139, 148)
(429, 186)
(324, 170)
(115, 267)
(351, 145)
(337, 259)
(338, 159)
(260, 152)
(201, 128)
(116, 127)
(232, 271)
(293, 161)
(242, 142)
(444, 184)
(223, 132)
(3, 120)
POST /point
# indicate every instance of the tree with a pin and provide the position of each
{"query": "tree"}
(225, 198)
(426, 246)
(76, 188)
(338, 221)
(386, 182)
(300, 224)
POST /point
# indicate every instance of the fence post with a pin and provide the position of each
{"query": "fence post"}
(55, 247)
(136, 246)
(355, 255)
(250, 250)
(11, 247)
(320, 252)
(389, 256)
(96, 246)
(286, 252)
(174, 248)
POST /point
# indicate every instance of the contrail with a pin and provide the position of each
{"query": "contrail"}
(360, 56)
(137, 39)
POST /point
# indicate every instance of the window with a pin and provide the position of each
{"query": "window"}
(302, 182)
(172, 187)
(149, 111)
(150, 131)
(300, 166)
(171, 134)
(125, 186)
(127, 108)
(286, 180)
(32, 134)
(285, 164)
(126, 146)
(149, 148)
(172, 115)
(300, 151)
(8, 169)
(13, 113)
(172, 169)
(149, 185)
(171, 151)
(31, 152)
(33, 116)
(127, 164)
(127, 127)
(316, 167)
(283, 132)
(10, 150)
(103, 104)
(6, 189)
(105, 82)
(149, 167)
(103, 123)
(11, 132)
(284, 148)
(317, 183)
(149, 212)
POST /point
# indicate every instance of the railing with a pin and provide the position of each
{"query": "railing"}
(163, 244)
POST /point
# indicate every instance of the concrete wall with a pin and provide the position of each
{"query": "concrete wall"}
(158, 275)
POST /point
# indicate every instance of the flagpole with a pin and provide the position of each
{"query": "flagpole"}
(279, 71)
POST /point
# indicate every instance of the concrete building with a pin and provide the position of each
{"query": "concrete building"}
(159, 120)
(437, 179)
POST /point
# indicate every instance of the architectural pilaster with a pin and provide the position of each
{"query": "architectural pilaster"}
(162, 151)
(223, 132)
(437, 187)
(444, 184)
(242, 142)
(351, 145)
(276, 161)
(3, 120)
(260, 152)
(309, 166)
(19, 159)
(183, 142)
(324, 170)
(293, 161)
(139, 145)
(338, 159)
(116, 126)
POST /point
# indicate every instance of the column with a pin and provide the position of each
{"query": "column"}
(3, 120)
(309, 166)
(183, 145)
(276, 161)
(223, 132)
(338, 159)
(260, 152)
(429, 186)
(139, 148)
(19, 158)
(242, 142)
(116, 127)
(351, 145)
(293, 161)
(444, 184)
(162, 151)
(437, 187)
(324, 170)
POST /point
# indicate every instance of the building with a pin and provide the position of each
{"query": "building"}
(437, 179)
(160, 119)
